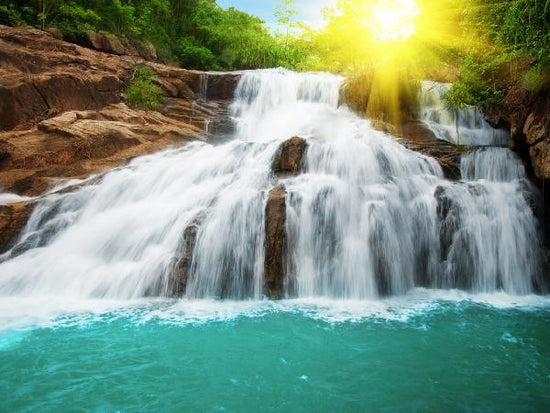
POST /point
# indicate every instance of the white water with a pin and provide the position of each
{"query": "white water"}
(464, 127)
(363, 219)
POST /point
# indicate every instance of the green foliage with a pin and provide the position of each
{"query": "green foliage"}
(141, 91)
(479, 83)
(191, 54)
(74, 19)
(509, 31)
(526, 28)
(195, 33)
(9, 16)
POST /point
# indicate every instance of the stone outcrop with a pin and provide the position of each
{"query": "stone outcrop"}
(275, 242)
(13, 218)
(527, 115)
(289, 158)
(221, 85)
(182, 268)
(76, 144)
(62, 113)
(418, 137)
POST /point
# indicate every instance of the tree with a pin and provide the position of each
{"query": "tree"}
(45, 8)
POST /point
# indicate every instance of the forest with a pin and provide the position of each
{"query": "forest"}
(480, 45)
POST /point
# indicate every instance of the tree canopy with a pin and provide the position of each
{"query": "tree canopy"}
(472, 42)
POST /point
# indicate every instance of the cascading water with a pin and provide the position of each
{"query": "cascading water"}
(366, 218)
(464, 127)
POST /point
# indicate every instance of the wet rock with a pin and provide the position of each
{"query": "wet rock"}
(275, 247)
(13, 218)
(417, 137)
(449, 218)
(457, 253)
(289, 158)
(221, 86)
(182, 268)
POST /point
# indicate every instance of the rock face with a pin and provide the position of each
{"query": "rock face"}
(417, 137)
(275, 242)
(13, 218)
(62, 116)
(289, 158)
(527, 114)
(182, 268)
(79, 143)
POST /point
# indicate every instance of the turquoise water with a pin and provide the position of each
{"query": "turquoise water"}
(307, 356)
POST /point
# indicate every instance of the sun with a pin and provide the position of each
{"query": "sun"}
(393, 19)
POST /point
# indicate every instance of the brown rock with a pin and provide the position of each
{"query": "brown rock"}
(41, 76)
(275, 242)
(79, 143)
(535, 129)
(182, 268)
(417, 137)
(148, 51)
(290, 157)
(60, 111)
(13, 218)
(220, 85)
(540, 158)
(104, 43)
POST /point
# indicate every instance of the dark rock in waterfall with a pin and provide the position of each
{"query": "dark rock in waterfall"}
(275, 246)
(457, 254)
(417, 137)
(13, 218)
(182, 268)
(221, 85)
(448, 215)
(289, 158)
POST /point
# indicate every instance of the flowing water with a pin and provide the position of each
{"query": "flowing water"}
(464, 127)
(379, 247)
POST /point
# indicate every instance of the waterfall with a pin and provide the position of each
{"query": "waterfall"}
(464, 127)
(367, 217)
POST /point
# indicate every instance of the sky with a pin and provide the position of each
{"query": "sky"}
(309, 11)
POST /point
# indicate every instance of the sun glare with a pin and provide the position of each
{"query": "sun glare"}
(394, 19)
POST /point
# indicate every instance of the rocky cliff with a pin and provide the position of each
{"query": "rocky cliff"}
(527, 114)
(62, 113)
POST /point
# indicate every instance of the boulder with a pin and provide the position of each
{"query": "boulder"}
(289, 158)
(181, 270)
(275, 247)
(104, 42)
(13, 218)
(221, 86)
(417, 137)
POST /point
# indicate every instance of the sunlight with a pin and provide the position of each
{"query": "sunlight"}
(394, 19)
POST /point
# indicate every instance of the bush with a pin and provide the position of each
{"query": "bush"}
(141, 91)
(479, 83)
(9, 16)
(192, 55)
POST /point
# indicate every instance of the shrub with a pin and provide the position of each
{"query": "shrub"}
(480, 83)
(9, 16)
(141, 91)
(192, 55)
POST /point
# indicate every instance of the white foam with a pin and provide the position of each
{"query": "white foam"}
(20, 314)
